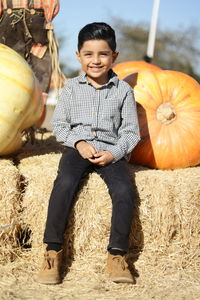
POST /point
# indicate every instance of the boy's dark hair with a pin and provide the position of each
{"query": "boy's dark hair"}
(97, 31)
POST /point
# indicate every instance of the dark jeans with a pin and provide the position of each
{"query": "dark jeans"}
(72, 168)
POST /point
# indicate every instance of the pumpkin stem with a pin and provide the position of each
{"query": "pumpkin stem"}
(165, 113)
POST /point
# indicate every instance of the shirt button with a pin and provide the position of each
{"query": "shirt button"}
(94, 113)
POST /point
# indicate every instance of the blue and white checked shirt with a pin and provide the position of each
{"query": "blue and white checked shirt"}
(105, 117)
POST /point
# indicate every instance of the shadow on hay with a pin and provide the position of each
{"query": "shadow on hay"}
(24, 232)
(42, 143)
(136, 240)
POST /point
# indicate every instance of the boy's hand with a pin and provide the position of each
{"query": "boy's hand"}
(85, 150)
(102, 158)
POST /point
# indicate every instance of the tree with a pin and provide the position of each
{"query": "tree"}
(174, 49)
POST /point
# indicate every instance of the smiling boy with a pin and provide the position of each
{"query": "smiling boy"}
(95, 119)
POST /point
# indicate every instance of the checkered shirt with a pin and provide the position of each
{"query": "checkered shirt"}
(105, 117)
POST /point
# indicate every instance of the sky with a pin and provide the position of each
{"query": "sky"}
(74, 14)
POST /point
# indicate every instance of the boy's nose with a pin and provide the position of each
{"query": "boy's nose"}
(96, 59)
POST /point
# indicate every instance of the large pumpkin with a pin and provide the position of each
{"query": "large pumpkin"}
(124, 69)
(21, 103)
(168, 104)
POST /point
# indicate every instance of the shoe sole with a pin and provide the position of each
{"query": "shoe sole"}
(122, 280)
(47, 282)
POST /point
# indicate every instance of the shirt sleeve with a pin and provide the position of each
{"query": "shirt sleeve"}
(61, 121)
(128, 133)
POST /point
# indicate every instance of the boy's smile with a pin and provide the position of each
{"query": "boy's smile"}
(96, 58)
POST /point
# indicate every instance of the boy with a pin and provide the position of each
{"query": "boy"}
(96, 120)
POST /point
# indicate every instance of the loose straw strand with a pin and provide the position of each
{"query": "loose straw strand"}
(58, 76)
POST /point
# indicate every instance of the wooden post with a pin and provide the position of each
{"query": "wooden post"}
(152, 32)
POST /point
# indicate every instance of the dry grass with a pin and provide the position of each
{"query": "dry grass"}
(39, 173)
(165, 239)
(9, 208)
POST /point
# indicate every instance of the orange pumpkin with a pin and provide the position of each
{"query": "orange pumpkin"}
(126, 68)
(168, 104)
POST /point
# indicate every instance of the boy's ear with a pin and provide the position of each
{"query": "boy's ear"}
(78, 55)
(115, 55)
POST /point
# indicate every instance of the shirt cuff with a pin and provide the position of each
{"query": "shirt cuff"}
(116, 152)
(72, 140)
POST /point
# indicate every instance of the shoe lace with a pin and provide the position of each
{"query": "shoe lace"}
(48, 262)
(120, 260)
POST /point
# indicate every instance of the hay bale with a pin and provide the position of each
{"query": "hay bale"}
(170, 218)
(10, 209)
(166, 220)
(164, 239)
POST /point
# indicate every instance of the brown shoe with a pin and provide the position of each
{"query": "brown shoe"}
(118, 269)
(50, 272)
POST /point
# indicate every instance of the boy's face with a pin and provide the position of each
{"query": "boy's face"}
(96, 59)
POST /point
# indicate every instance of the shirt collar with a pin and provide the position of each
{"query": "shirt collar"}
(112, 78)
